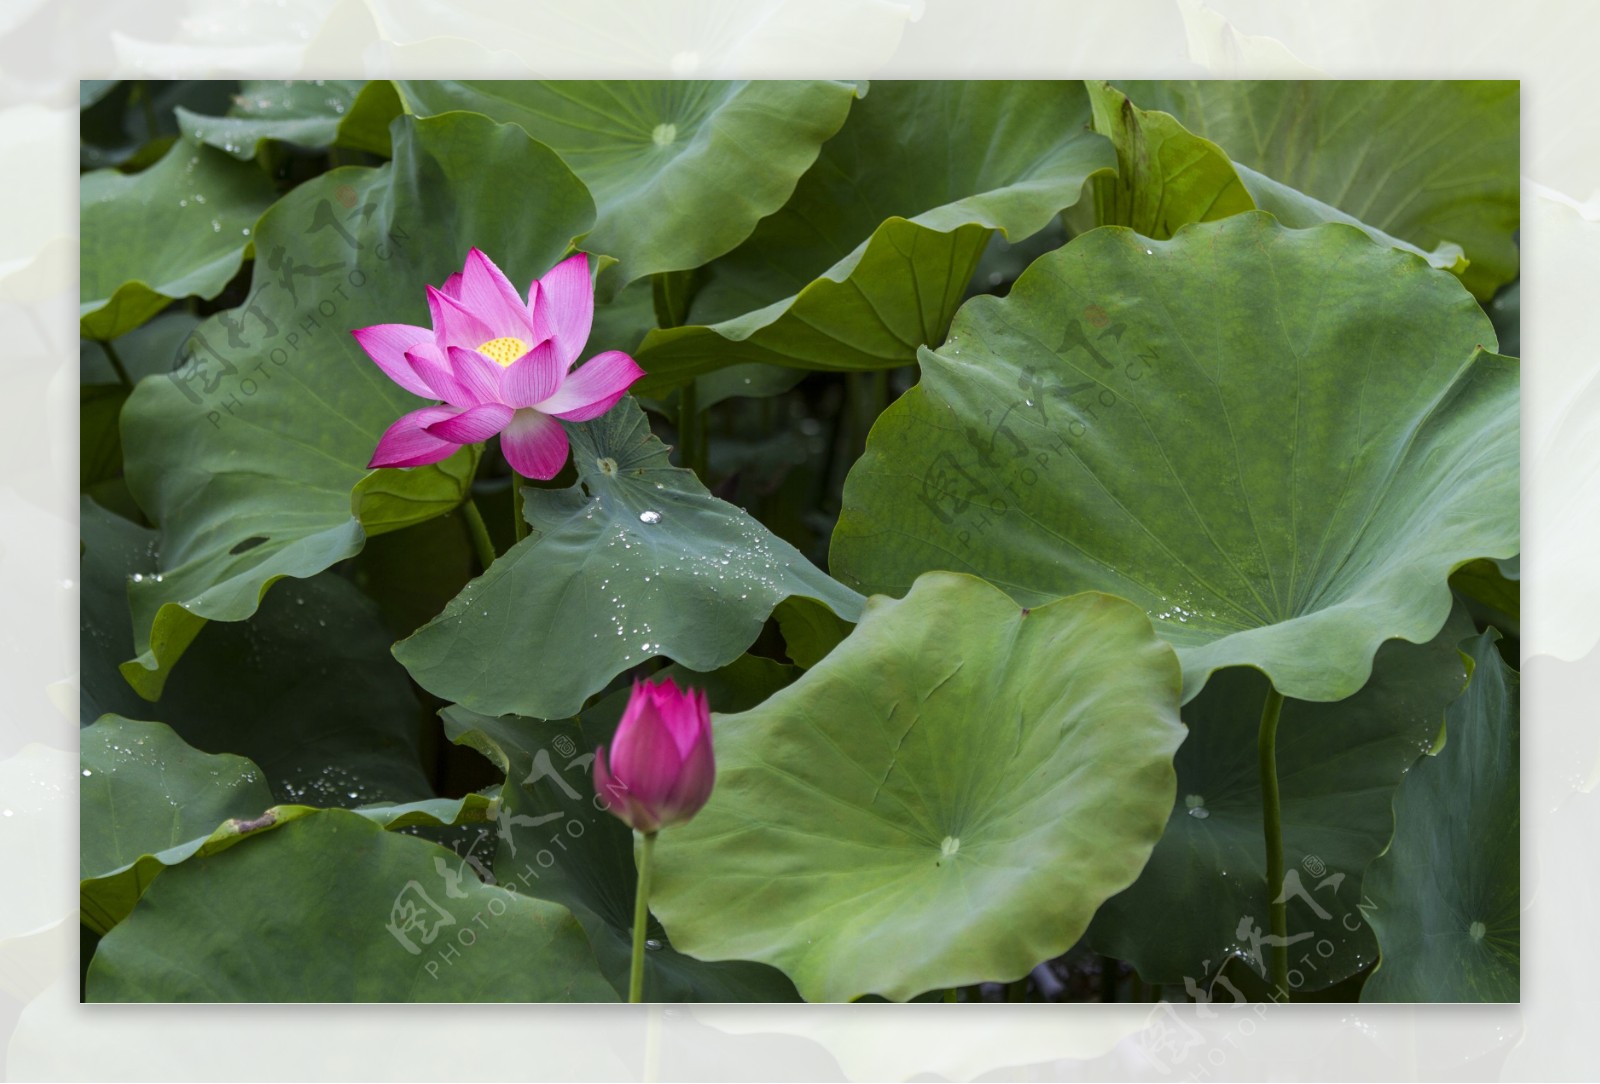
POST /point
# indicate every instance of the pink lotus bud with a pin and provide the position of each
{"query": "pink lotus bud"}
(661, 769)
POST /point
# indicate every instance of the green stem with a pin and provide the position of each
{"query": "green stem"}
(1278, 907)
(519, 525)
(689, 437)
(869, 395)
(641, 912)
(479, 533)
(116, 363)
(671, 292)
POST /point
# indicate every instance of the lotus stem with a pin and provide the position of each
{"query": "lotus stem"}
(116, 363)
(519, 524)
(671, 292)
(1272, 822)
(478, 531)
(641, 915)
(689, 435)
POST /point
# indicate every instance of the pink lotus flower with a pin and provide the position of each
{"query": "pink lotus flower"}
(498, 365)
(661, 768)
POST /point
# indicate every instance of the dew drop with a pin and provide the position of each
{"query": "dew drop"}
(650, 517)
(1196, 806)
(87, 773)
(652, 944)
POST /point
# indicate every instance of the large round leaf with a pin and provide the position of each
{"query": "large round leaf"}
(871, 256)
(144, 790)
(681, 170)
(306, 112)
(148, 348)
(409, 921)
(130, 122)
(557, 843)
(1427, 161)
(944, 799)
(1278, 442)
(636, 560)
(305, 688)
(1203, 897)
(1447, 907)
(150, 800)
(1168, 177)
(252, 457)
(179, 229)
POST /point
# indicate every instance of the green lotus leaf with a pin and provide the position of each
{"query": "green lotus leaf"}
(1168, 177)
(252, 457)
(810, 629)
(636, 560)
(557, 844)
(306, 112)
(871, 256)
(1506, 312)
(1448, 911)
(681, 171)
(1494, 583)
(179, 229)
(150, 801)
(99, 444)
(1431, 162)
(1203, 898)
(305, 688)
(146, 790)
(1278, 442)
(330, 907)
(1295, 208)
(944, 800)
(130, 123)
(413, 574)
(148, 348)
